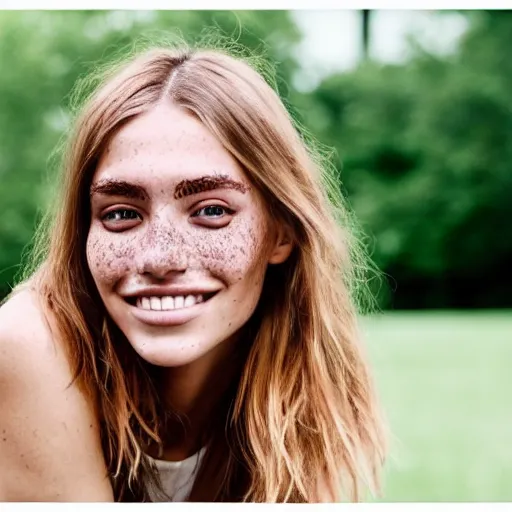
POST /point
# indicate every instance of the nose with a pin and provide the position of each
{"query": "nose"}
(160, 267)
(162, 254)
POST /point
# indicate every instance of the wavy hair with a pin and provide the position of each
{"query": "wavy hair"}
(302, 421)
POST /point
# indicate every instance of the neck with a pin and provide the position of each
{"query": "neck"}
(194, 394)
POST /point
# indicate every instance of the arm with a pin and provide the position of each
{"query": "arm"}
(49, 437)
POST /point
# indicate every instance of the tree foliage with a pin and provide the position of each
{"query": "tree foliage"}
(425, 153)
(43, 53)
(424, 149)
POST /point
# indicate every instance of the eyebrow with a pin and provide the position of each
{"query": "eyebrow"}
(190, 187)
(114, 187)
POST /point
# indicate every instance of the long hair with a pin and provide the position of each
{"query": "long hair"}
(302, 419)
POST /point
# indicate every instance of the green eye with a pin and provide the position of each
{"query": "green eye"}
(214, 211)
(119, 215)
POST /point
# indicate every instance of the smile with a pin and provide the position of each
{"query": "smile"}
(168, 310)
(168, 303)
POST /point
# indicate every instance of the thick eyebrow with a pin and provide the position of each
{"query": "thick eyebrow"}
(189, 187)
(113, 187)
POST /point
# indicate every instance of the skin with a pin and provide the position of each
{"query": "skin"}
(171, 207)
(50, 446)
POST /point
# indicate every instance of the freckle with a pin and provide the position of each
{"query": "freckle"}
(4, 438)
(26, 465)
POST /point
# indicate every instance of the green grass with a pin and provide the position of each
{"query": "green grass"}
(445, 382)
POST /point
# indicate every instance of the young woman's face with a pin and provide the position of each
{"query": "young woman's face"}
(179, 239)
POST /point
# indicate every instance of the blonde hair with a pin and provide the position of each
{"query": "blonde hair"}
(303, 416)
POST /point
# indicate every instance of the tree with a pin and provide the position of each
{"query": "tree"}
(44, 52)
(365, 31)
(425, 153)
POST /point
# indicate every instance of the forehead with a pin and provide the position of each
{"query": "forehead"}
(166, 143)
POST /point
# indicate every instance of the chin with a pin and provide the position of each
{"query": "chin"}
(170, 350)
(167, 359)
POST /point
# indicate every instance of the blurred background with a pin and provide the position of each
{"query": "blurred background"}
(417, 106)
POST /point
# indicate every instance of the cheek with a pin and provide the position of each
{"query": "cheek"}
(235, 251)
(233, 254)
(108, 260)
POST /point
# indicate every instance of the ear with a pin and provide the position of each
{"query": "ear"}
(283, 245)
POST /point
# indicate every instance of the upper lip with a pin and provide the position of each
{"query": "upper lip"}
(166, 291)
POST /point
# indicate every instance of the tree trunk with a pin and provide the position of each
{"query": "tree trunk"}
(366, 33)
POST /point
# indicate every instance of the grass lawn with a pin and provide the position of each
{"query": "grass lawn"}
(445, 382)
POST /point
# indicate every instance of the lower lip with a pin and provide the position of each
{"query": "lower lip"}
(170, 317)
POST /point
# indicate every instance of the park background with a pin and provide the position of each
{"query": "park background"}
(416, 108)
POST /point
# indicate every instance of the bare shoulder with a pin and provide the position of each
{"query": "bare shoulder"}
(30, 353)
(25, 337)
(50, 446)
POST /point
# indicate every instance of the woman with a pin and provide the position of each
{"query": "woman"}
(197, 282)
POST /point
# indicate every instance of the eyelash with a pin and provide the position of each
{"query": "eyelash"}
(104, 218)
(226, 210)
(119, 210)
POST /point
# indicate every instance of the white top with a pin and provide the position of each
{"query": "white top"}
(177, 478)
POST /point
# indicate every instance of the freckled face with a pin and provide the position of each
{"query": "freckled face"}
(174, 216)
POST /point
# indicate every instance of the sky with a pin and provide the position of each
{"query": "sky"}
(332, 38)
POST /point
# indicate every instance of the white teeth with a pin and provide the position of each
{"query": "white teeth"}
(189, 301)
(168, 303)
(156, 303)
